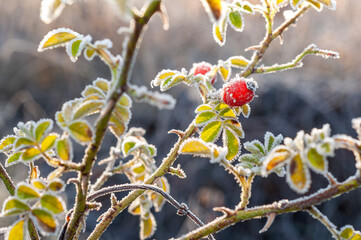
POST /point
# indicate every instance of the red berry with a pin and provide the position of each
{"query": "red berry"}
(202, 68)
(238, 91)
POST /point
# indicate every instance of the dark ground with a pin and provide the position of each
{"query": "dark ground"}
(34, 85)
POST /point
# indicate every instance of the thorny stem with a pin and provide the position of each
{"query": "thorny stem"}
(102, 122)
(258, 54)
(121, 205)
(181, 207)
(280, 207)
(314, 212)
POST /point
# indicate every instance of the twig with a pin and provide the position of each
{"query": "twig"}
(280, 207)
(181, 207)
(314, 212)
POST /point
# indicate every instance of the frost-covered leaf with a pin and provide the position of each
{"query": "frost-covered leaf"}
(204, 117)
(245, 110)
(51, 10)
(235, 126)
(48, 142)
(57, 38)
(270, 141)
(238, 61)
(195, 146)
(315, 4)
(298, 175)
(87, 108)
(248, 158)
(211, 131)
(224, 69)
(56, 185)
(235, 19)
(162, 76)
(296, 3)
(232, 143)
(347, 231)
(122, 113)
(7, 143)
(89, 53)
(157, 199)
(255, 147)
(117, 126)
(42, 128)
(316, 161)
(23, 142)
(148, 225)
(227, 113)
(81, 131)
(213, 8)
(64, 148)
(125, 100)
(38, 183)
(331, 4)
(172, 81)
(219, 32)
(18, 231)
(75, 47)
(25, 191)
(45, 221)
(247, 7)
(203, 107)
(13, 159)
(92, 90)
(13, 206)
(52, 203)
(220, 106)
(128, 147)
(277, 158)
(30, 154)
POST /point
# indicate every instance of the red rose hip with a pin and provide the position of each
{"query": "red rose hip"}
(238, 91)
(202, 68)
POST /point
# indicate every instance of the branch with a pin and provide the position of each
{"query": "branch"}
(120, 86)
(124, 203)
(257, 56)
(280, 207)
(297, 62)
(315, 213)
(181, 207)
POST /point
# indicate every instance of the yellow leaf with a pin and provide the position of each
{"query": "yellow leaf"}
(205, 117)
(48, 142)
(45, 220)
(203, 107)
(81, 131)
(194, 146)
(276, 159)
(147, 226)
(214, 8)
(298, 175)
(57, 38)
(238, 61)
(18, 231)
(30, 154)
(211, 131)
(232, 143)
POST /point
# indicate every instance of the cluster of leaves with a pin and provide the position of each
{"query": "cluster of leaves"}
(137, 169)
(349, 233)
(299, 154)
(38, 201)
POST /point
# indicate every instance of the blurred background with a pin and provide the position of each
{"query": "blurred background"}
(34, 85)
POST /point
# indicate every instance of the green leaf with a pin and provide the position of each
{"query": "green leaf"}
(13, 206)
(18, 231)
(247, 7)
(102, 83)
(248, 158)
(148, 226)
(56, 185)
(48, 142)
(246, 110)
(128, 147)
(238, 61)
(87, 108)
(235, 126)
(172, 81)
(24, 191)
(347, 231)
(203, 107)
(221, 106)
(57, 38)
(195, 146)
(23, 142)
(227, 113)
(232, 143)
(7, 142)
(204, 117)
(13, 159)
(316, 161)
(52, 203)
(64, 149)
(81, 131)
(235, 19)
(122, 113)
(45, 220)
(30, 154)
(298, 175)
(153, 150)
(42, 128)
(91, 90)
(211, 131)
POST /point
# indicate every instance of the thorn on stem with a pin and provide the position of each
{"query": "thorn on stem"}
(226, 211)
(178, 132)
(270, 219)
